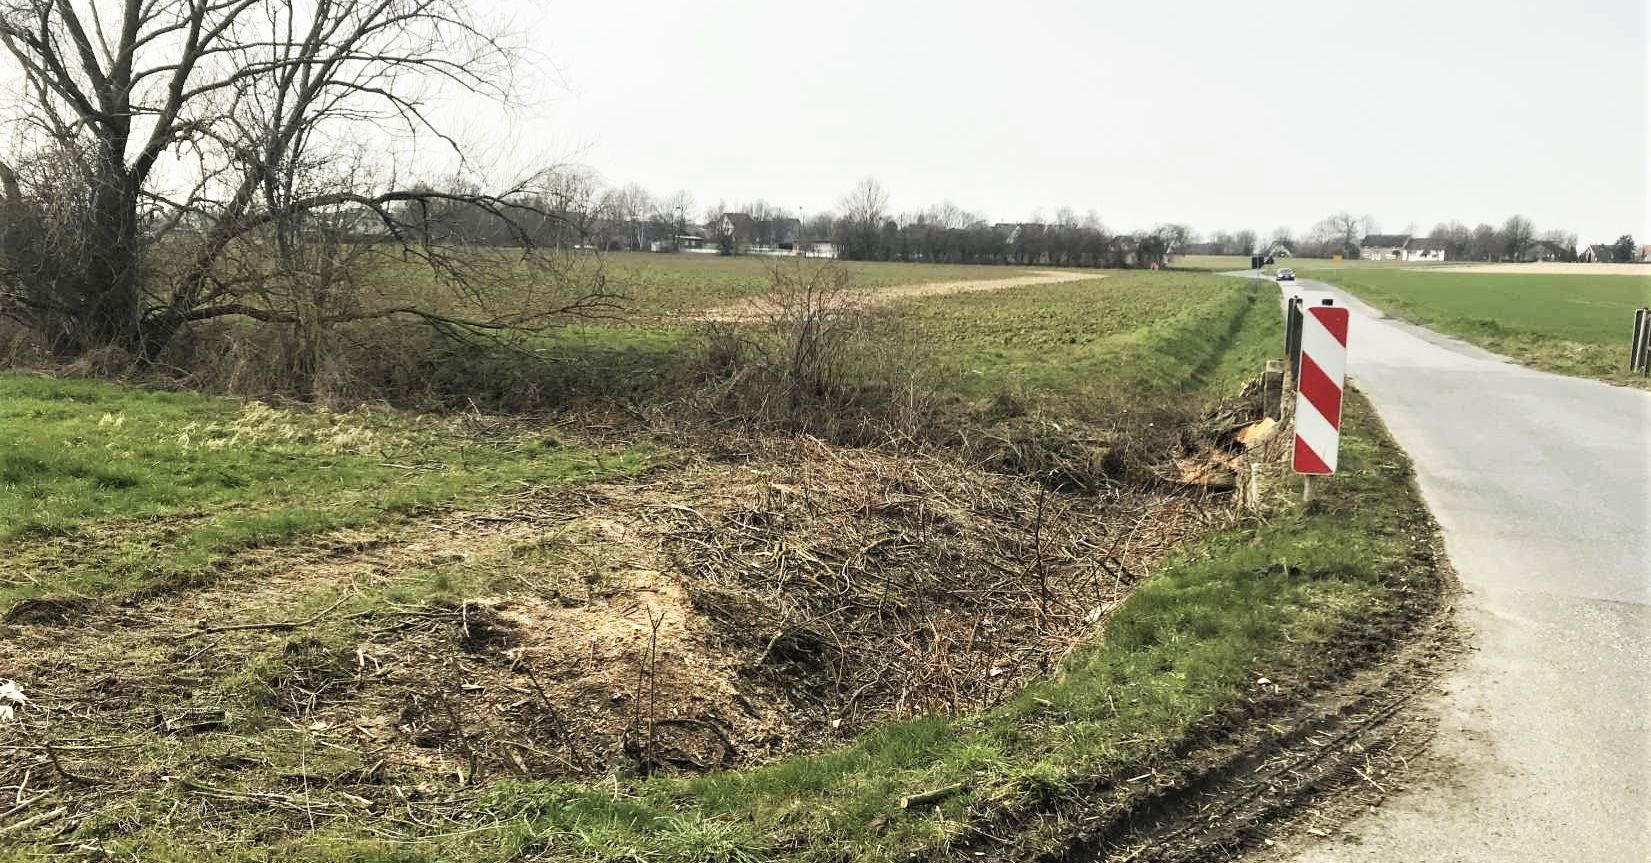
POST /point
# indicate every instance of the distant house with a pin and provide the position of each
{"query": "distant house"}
(760, 234)
(1545, 250)
(1279, 249)
(1599, 254)
(1400, 247)
(1645, 253)
(1383, 247)
(739, 227)
(1424, 249)
(776, 233)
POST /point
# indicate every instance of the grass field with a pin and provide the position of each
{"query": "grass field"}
(165, 506)
(1570, 324)
(1188, 646)
(83, 457)
(1133, 332)
(1211, 263)
(682, 283)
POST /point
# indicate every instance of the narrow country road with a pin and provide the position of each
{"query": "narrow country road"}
(1542, 485)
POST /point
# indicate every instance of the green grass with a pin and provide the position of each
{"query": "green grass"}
(1277, 598)
(83, 459)
(1211, 263)
(1570, 324)
(1131, 334)
(680, 283)
(1273, 600)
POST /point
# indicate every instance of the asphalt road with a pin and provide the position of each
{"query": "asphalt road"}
(1542, 485)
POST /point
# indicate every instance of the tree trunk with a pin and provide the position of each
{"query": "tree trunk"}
(106, 302)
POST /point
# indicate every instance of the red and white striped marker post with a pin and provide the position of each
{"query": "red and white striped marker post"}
(1318, 390)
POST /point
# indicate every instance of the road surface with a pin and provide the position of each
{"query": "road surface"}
(1542, 485)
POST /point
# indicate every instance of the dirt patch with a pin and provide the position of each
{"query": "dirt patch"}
(774, 598)
(47, 610)
(751, 310)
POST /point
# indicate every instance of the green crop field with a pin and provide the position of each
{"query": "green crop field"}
(1211, 263)
(1129, 334)
(1571, 324)
(674, 284)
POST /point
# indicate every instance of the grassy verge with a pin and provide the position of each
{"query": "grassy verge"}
(1186, 652)
(83, 460)
(1570, 324)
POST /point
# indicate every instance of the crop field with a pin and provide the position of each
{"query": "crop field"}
(254, 629)
(1571, 324)
(1211, 263)
(1132, 332)
(683, 283)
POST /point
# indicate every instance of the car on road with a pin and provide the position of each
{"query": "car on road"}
(1286, 275)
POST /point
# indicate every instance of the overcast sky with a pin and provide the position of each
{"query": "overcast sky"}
(1216, 113)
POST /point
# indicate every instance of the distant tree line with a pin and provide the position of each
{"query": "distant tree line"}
(578, 210)
(575, 208)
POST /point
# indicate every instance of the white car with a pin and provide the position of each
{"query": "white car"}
(1286, 275)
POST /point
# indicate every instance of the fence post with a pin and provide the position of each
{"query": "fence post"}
(1639, 350)
(1272, 390)
(1292, 337)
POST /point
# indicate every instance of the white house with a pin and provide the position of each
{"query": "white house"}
(1383, 247)
(1400, 247)
(1424, 249)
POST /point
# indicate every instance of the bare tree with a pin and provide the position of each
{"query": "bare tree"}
(676, 211)
(1340, 233)
(259, 110)
(626, 209)
(1172, 237)
(1349, 231)
(1517, 235)
(863, 211)
(951, 217)
(1483, 246)
(1564, 240)
(1456, 237)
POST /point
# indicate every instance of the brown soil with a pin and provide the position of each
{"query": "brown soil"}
(752, 310)
(763, 599)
